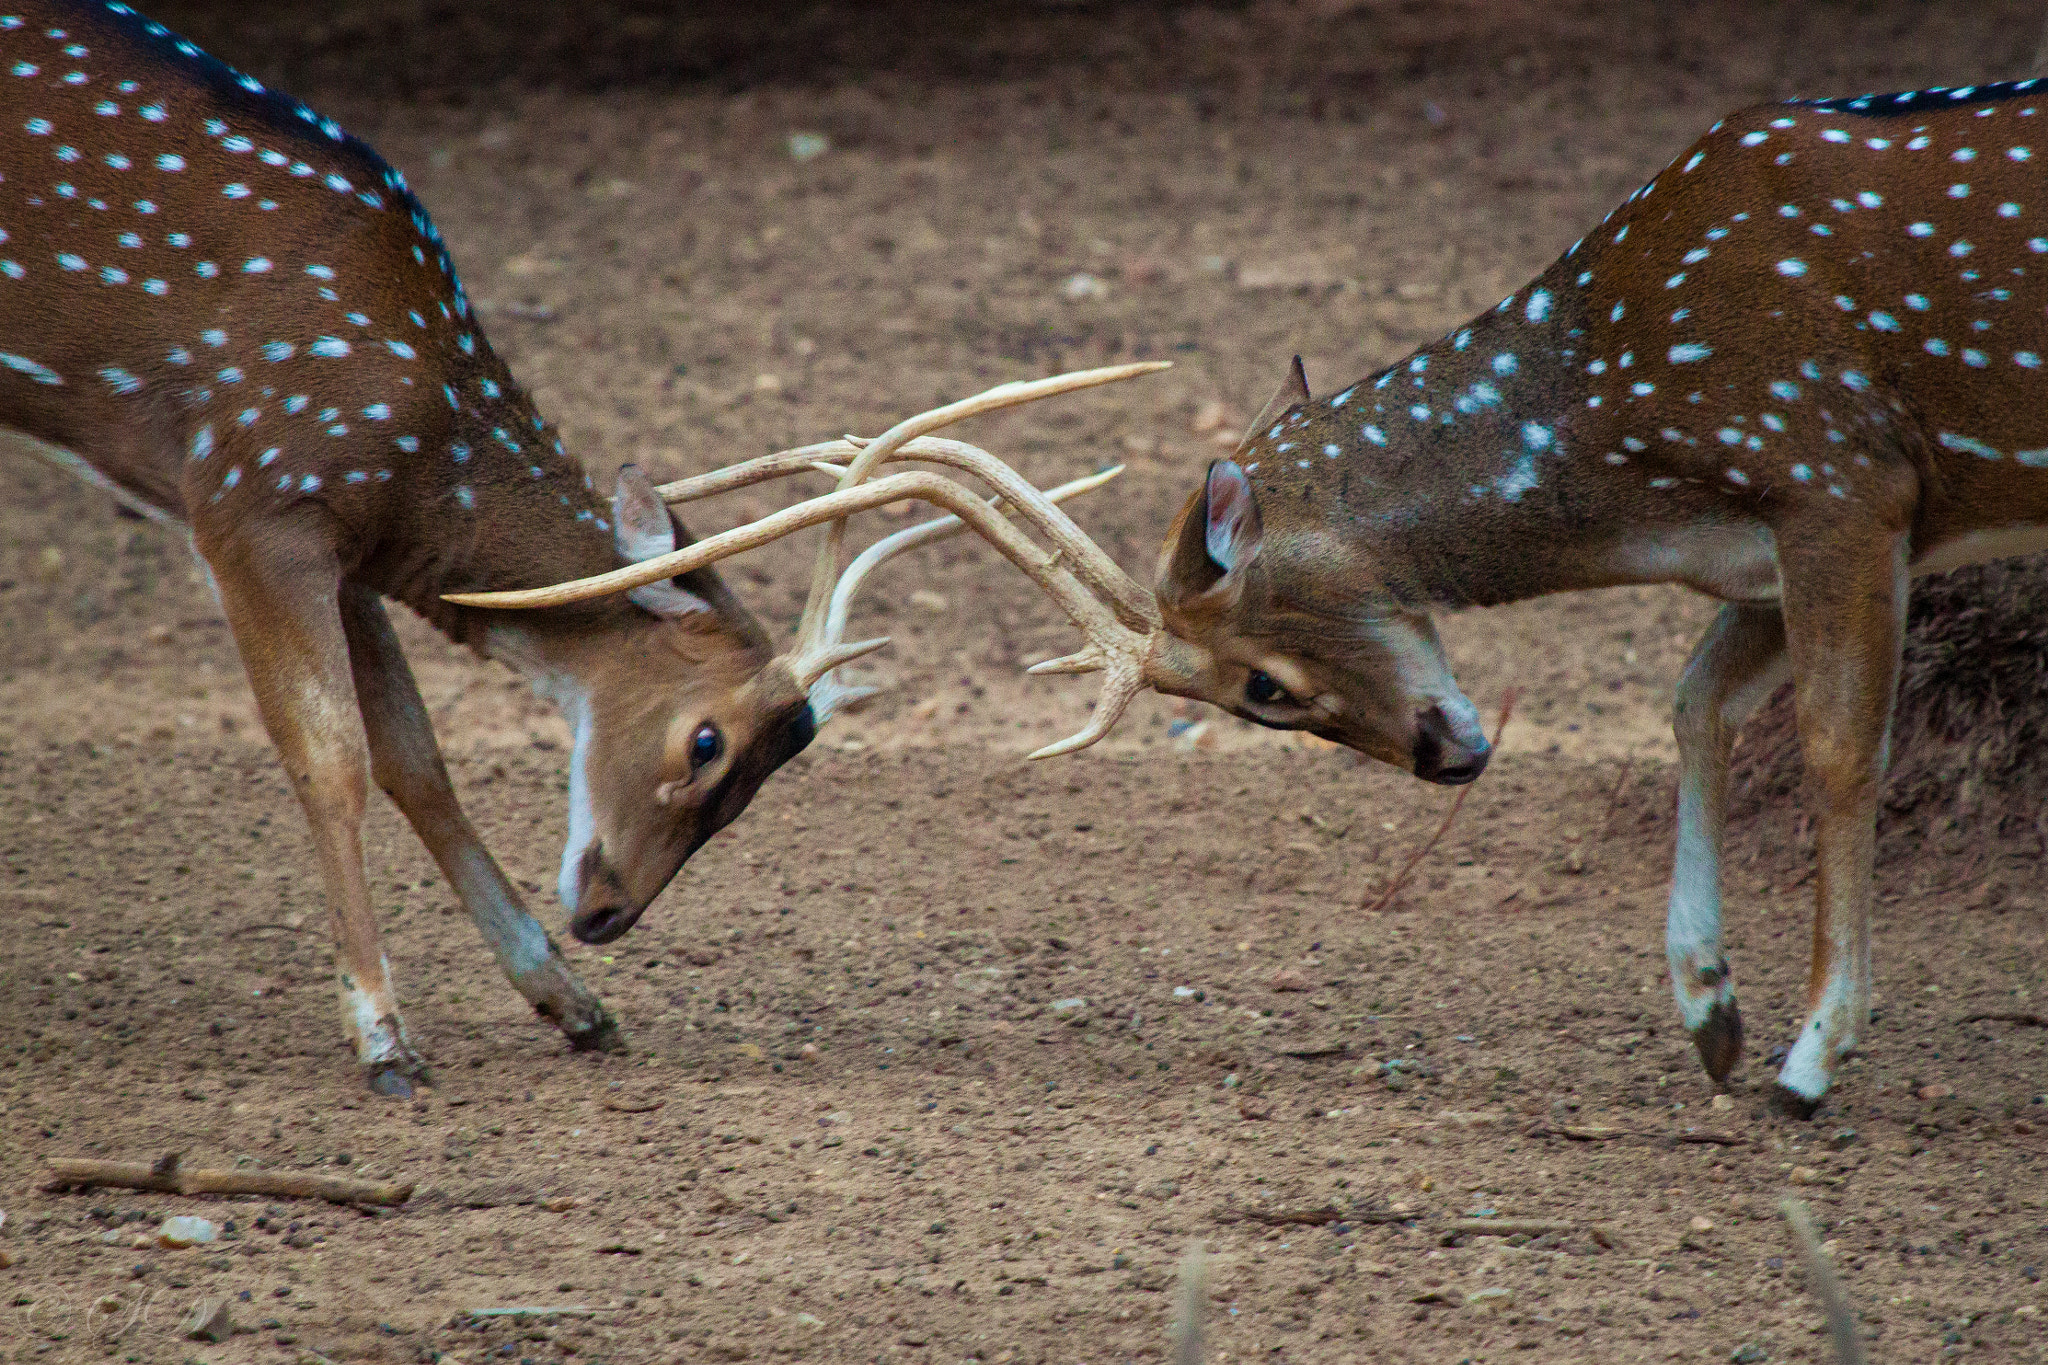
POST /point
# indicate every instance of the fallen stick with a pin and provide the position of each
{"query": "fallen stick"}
(1508, 1227)
(535, 1311)
(2030, 1020)
(1523, 1227)
(1507, 705)
(167, 1177)
(1314, 1218)
(1592, 1132)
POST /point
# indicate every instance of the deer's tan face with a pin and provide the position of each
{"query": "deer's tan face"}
(678, 720)
(1298, 632)
(652, 780)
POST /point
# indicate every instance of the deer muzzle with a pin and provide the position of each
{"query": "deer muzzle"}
(1447, 752)
(604, 910)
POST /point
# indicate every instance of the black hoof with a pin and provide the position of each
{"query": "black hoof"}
(390, 1081)
(1792, 1104)
(1719, 1040)
(603, 1036)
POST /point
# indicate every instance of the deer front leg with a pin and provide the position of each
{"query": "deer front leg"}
(280, 600)
(1845, 621)
(406, 763)
(1737, 663)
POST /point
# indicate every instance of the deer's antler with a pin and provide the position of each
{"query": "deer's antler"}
(1118, 618)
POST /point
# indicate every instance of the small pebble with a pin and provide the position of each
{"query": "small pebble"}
(1701, 1223)
(209, 1320)
(1936, 1091)
(1805, 1175)
(186, 1231)
(1288, 979)
(1491, 1300)
(1084, 286)
(1722, 1103)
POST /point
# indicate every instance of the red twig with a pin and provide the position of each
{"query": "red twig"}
(1507, 706)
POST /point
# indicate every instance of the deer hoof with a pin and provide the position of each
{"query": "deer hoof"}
(602, 1036)
(391, 1081)
(1719, 1040)
(1792, 1104)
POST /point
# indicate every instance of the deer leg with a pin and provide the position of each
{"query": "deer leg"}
(1845, 622)
(1737, 663)
(286, 619)
(405, 762)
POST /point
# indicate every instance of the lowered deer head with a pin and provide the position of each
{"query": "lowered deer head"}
(1293, 626)
(653, 774)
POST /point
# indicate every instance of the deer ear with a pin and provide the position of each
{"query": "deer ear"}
(642, 529)
(1232, 531)
(1218, 534)
(1293, 392)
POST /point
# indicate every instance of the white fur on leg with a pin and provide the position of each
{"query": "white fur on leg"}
(1829, 1034)
(1692, 926)
(370, 1014)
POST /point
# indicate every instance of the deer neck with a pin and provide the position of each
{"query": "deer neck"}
(1468, 473)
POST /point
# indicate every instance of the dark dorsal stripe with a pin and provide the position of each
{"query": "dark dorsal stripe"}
(284, 116)
(1908, 102)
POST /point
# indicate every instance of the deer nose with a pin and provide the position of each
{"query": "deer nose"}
(1442, 756)
(604, 912)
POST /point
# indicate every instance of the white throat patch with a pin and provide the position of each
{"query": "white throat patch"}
(514, 648)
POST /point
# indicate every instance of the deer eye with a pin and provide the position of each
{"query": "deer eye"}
(705, 746)
(1261, 690)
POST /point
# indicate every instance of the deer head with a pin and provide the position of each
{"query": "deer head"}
(1295, 629)
(655, 771)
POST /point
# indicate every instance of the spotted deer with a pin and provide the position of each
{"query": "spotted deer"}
(1800, 366)
(221, 308)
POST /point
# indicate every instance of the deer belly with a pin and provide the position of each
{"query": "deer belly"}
(80, 468)
(1974, 547)
(1736, 563)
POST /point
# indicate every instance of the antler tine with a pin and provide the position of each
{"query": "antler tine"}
(1126, 680)
(827, 693)
(1133, 604)
(890, 441)
(1089, 660)
(924, 533)
(763, 468)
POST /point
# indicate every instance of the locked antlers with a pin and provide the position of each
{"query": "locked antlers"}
(1119, 619)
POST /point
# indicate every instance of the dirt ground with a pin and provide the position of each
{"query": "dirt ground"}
(937, 1055)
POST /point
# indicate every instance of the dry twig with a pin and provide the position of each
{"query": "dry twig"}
(166, 1176)
(1628, 768)
(1523, 1227)
(1507, 705)
(2029, 1020)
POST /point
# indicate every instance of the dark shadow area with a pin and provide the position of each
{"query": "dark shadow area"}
(1330, 59)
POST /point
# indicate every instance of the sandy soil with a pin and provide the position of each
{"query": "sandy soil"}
(937, 1055)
